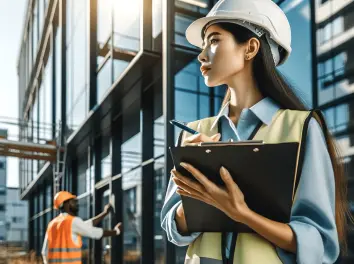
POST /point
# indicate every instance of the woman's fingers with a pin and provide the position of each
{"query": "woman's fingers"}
(187, 181)
(187, 187)
(231, 185)
(201, 138)
(201, 198)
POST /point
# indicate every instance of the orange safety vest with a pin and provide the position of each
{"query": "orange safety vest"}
(61, 248)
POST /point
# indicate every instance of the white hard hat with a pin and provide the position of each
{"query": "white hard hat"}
(259, 16)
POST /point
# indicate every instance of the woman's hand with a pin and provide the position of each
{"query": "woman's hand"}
(181, 220)
(196, 139)
(192, 140)
(230, 200)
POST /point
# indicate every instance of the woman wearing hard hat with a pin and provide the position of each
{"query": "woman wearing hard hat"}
(62, 242)
(242, 42)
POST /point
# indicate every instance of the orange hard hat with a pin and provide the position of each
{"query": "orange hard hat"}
(61, 197)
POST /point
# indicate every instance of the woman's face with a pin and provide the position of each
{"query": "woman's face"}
(222, 57)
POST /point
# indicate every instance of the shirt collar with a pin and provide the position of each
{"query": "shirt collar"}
(264, 110)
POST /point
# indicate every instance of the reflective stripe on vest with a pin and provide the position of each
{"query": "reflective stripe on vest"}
(61, 247)
(287, 126)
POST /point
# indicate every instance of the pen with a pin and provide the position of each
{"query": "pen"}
(183, 126)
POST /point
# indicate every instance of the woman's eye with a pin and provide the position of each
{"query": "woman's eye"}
(214, 41)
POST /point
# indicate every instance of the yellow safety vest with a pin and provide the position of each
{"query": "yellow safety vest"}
(286, 126)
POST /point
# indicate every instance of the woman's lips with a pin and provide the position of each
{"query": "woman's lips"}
(204, 70)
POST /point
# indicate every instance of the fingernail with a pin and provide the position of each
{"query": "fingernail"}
(223, 170)
(184, 165)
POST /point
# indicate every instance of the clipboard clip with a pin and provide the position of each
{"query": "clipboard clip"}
(234, 143)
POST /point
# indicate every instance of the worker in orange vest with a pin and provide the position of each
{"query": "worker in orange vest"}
(62, 243)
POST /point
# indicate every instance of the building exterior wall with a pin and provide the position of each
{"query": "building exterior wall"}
(3, 178)
(16, 217)
(106, 73)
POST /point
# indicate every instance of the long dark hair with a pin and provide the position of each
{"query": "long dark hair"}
(273, 84)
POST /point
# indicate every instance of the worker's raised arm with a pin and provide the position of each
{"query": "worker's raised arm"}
(98, 218)
(86, 229)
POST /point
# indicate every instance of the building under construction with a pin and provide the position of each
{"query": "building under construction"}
(98, 81)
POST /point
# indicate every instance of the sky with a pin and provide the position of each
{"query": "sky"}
(12, 13)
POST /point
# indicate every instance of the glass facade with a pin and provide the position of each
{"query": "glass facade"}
(114, 120)
(335, 75)
(77, 61)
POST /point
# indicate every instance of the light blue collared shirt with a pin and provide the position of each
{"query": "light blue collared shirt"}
(313, 212)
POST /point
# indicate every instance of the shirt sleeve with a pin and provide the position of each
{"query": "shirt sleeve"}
(86, 229)
(313, 212)
(168, 212)
(168, 223)
(45, 249)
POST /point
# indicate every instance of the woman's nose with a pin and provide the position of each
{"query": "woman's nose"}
(202, 57)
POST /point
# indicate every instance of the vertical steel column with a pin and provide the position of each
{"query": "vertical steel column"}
(116, 188)
(147, 129)
(30, 224)
(97, 198)
(37, 243)
(147, 132)
(92, 52)
(168, 98)
(62, 23)
(54, 103)
(314, 54)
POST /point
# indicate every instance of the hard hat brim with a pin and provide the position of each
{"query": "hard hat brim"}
(72, 196)
(194, 31)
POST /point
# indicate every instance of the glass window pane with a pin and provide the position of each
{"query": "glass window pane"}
(159, 136)
(158, 202)
(104, 79)
(118, 67)
(106, 162)
(84, 209)
(127, 24)
(106, 241)
(132, 216)
(186, 80)
(131, 153)
(204, 104)
(186, 106)
(299, 66)
(79, 111)
(104, 20)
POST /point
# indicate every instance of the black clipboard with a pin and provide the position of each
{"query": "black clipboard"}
(265, 174)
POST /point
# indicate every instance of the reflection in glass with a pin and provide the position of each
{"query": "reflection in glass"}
(126, 24)
(158, 202)
(159, 136)
(132, 216)
(106, 162)
(58, 76)
(84, 209)
(106, 241)
(298, 67)
(77, 54)
(104, 79)
(104, 20)
(334, 39)
(131, 153)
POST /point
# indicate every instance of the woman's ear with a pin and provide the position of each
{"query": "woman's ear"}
(252, 48)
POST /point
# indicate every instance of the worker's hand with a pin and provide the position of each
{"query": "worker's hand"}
(118, 227)
(108, 208)
(196, 139)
